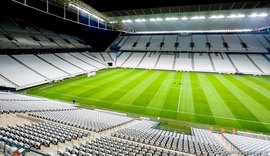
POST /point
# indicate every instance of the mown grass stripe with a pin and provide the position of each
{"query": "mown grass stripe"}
(256, 87)
(253, 106)
(160, 95)
(251, 92)
(135, 92)
(215, 102)
(114, 87)
(85, 82)
(238, 109)
(244, 102)
(258, 82)
(172, 96)
(199, 99)
(147, 95)
(263, 79)
(187, 104)
(101, 85)
(117, 94)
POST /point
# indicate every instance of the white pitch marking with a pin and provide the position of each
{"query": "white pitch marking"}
(180, 93)
(196, 114)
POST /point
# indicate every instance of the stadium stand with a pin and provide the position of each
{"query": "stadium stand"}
(39, 66)
(133, 60)
(236, 43)
(222, 63)
(32, 55)
(13, 103)
(249, 146)
(23, 71)
(202, 142)
(203, 62)
(86, 119)
(166, 61)
(149, 60)
(75, 61)
(61, 64)
(18, 73)
(15, 37)
(254, 135)
(137, 136)
(111, 146)
(184, 62)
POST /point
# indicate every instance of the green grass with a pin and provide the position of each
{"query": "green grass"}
(229, 101)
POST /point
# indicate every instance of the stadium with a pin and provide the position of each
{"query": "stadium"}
(174, 78)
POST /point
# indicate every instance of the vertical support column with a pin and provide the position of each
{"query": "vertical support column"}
(88, 16)
(78, 15)
(89, 20)
(98, 23)
(24, 2)
(47, 6)
(64, 11)
(105, 25)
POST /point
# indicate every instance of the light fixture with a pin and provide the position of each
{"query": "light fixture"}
(258, 15)
(236, 16)
(197, 17)
(217, 17)
(184, 18)
(127, 21)
(171, 19)
(112, 22)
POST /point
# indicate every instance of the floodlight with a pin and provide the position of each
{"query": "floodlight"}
(236, 16)
(197, 17)
(184, 18)
(258, 15)
(171, 18)
(217, 16)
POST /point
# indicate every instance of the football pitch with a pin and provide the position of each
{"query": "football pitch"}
(237, 101)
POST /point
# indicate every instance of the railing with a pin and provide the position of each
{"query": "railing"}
(10, 148)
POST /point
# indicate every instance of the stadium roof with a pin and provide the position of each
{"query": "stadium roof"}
(136, 16)
(188, 7)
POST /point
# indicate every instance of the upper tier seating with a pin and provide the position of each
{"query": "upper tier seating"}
(13, 36)
(234, 43)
